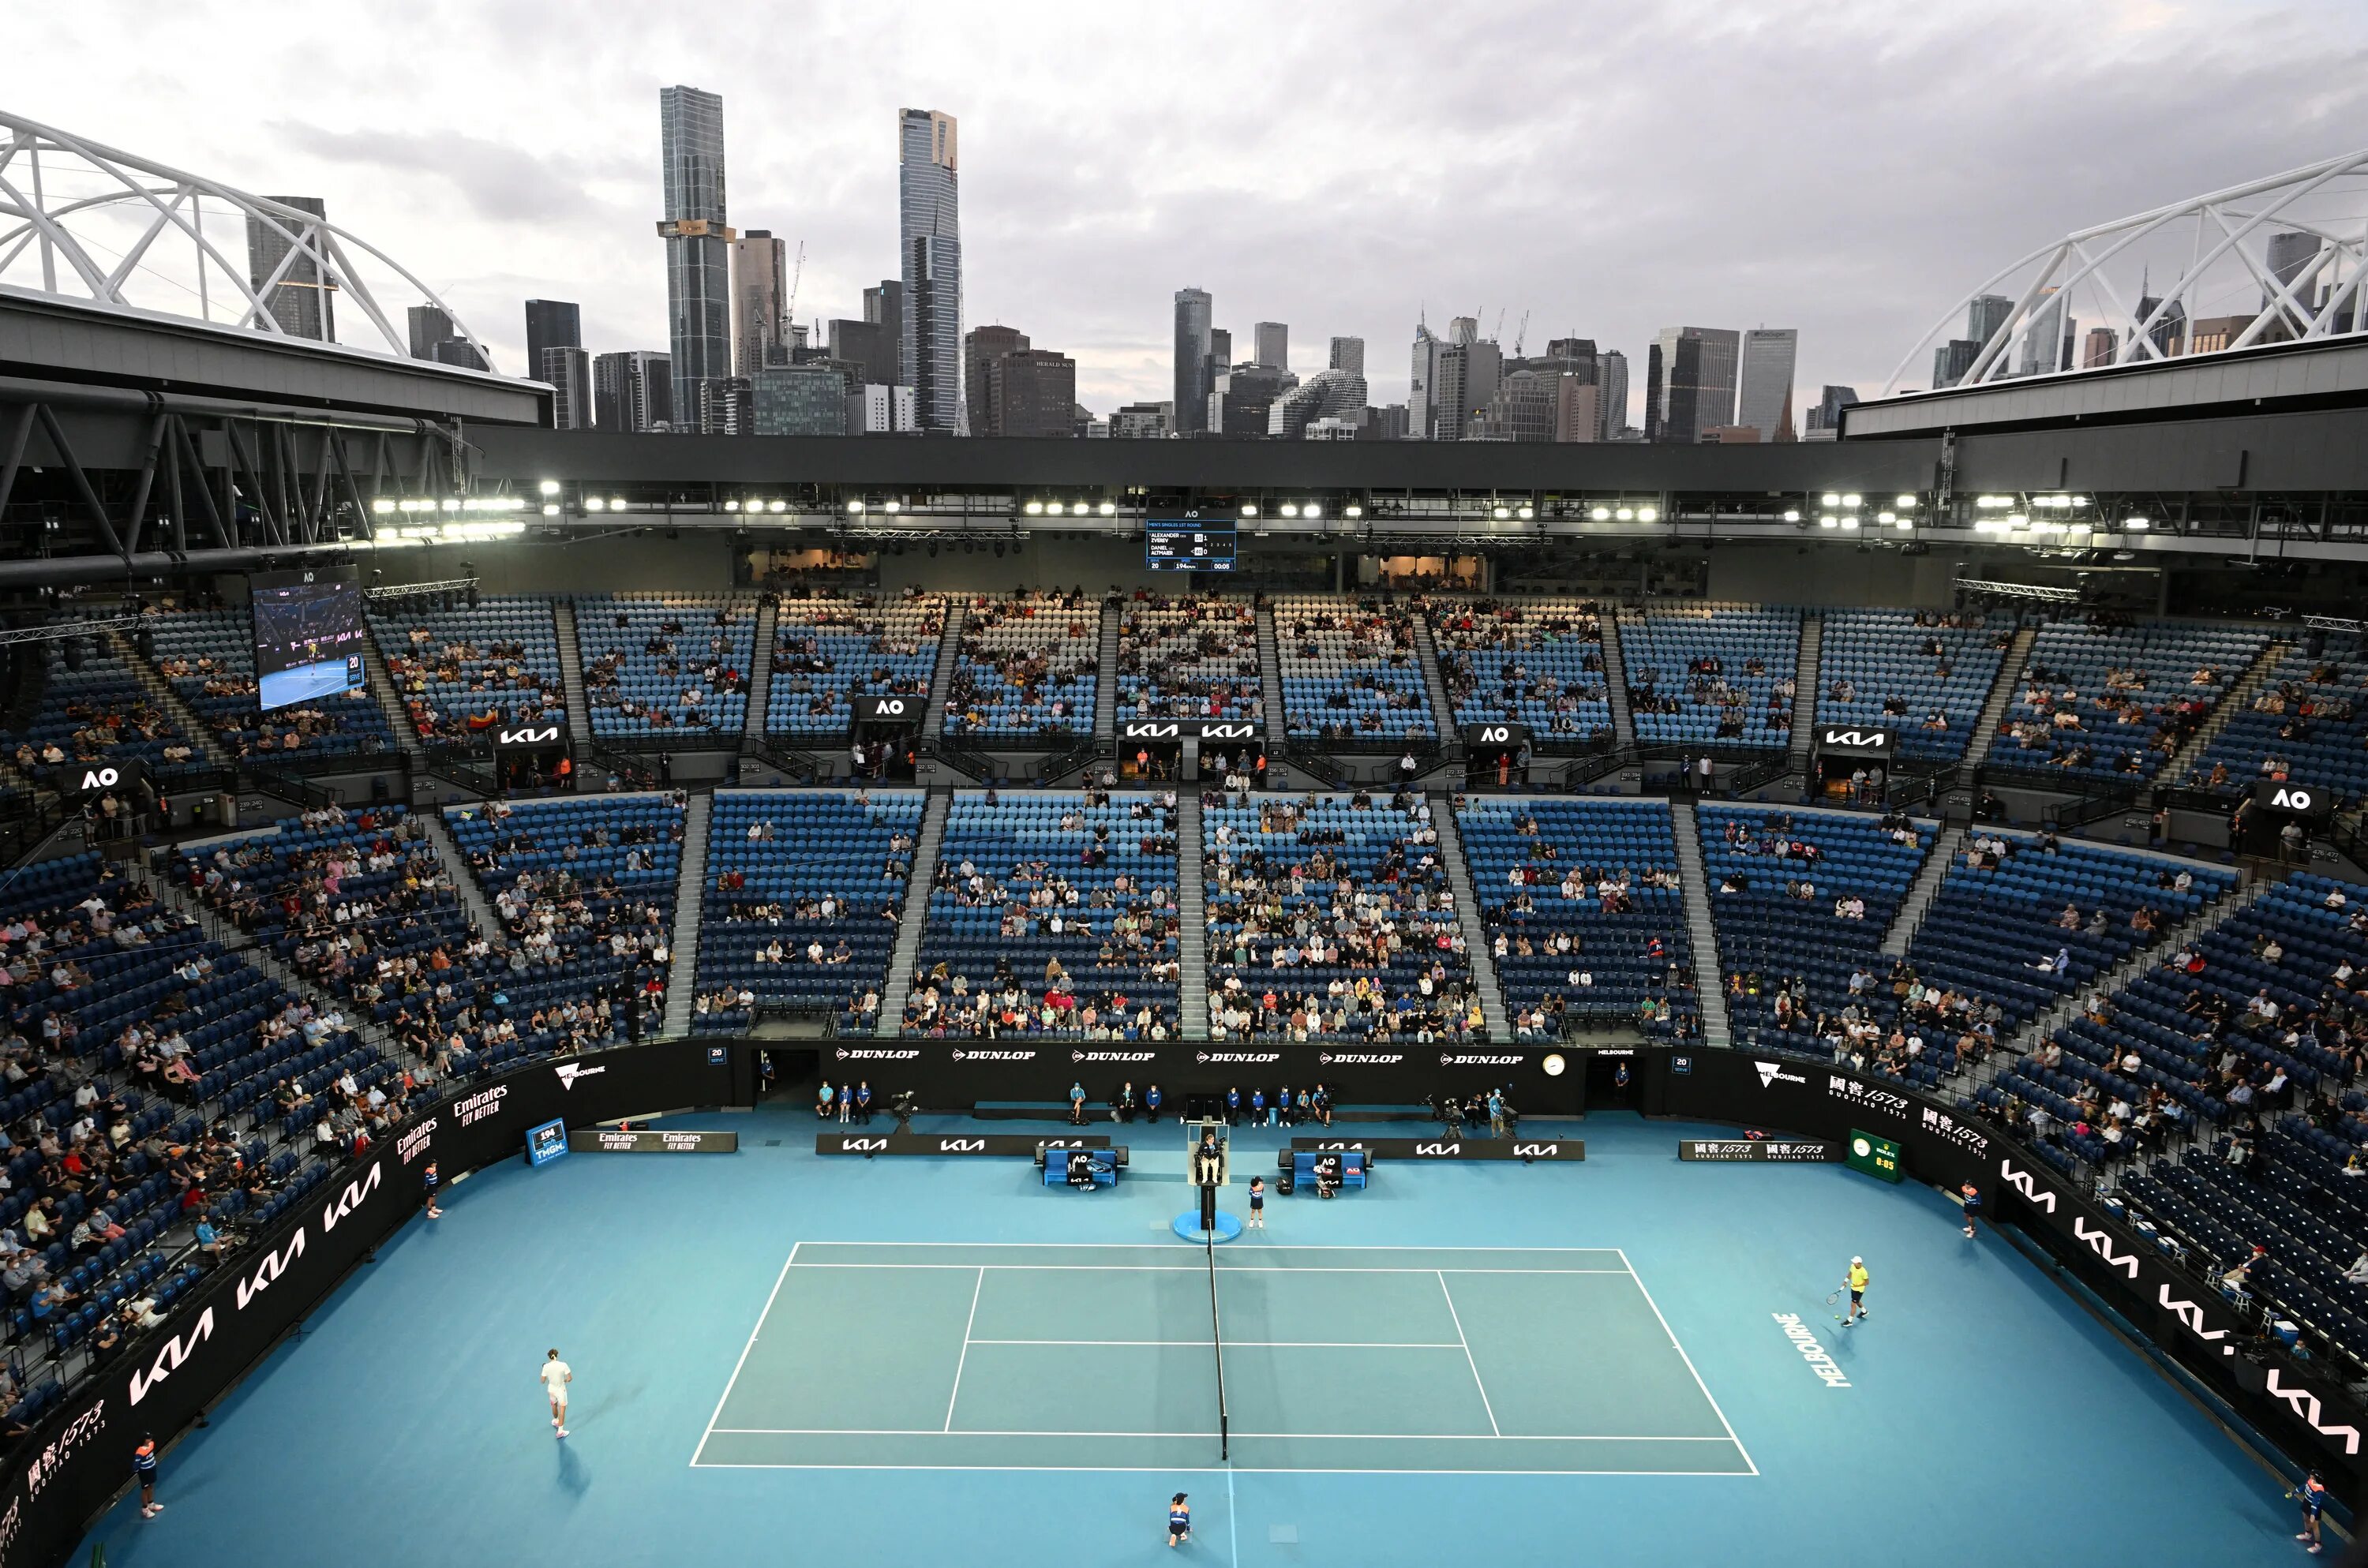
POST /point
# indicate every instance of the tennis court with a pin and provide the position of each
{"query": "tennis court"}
(982, 1356)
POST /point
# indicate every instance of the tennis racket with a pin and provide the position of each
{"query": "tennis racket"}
(1833, 1297)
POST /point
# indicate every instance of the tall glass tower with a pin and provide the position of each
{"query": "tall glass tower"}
(928, 343)
(698, 247)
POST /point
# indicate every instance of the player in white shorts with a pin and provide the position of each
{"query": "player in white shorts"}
(555, 1378)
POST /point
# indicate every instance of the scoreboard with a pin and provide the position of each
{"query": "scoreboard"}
(1189, 543)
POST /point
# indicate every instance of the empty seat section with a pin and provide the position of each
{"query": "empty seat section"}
(1923, 675)
(1050, 915)
(1717, 676)
(1801, 901)
(1584, 914)
(1349, 670)
(1533, 662)
(95, 713)
(1028, 666)
(2110, 700)
(666, 667)
(804, 889)
(2306, 726)
(1998, 927)
(829, 650)
(208, 655)
(463, 670)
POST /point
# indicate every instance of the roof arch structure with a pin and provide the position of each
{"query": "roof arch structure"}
(83, 220)
(2273, 260)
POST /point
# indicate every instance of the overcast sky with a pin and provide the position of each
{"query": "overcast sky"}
(1848, 169)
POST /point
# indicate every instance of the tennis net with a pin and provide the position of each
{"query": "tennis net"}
(1217, 1338)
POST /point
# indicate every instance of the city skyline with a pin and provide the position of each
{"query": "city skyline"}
(1085, 239)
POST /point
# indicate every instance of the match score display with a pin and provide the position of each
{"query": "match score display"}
(1189, 543)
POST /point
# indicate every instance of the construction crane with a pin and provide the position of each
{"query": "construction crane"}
(1521, 334)
(789, 311)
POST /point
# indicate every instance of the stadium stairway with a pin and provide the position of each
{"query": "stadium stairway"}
(389, 702)
(690, 898)
(2114, 981)
(571, 671)
(199, 735)
(1425, 652)
(1270, 680)
(1616, 682)
(761, 692)
(941, 679)
(1920, 892)
(1191, 919)
(1467, 913)
(917, 898)
(1710, 975)
(1805, 688)
(473, 897)
(2240, 692)
(2002, 691)
(1106, 688)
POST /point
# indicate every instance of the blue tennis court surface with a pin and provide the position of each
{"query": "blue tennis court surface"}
(740, 1398)
(1105, 1358)
(328, 678)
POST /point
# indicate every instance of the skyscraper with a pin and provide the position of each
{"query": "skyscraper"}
(1272, 341)
(1421, 375)
(1193, 310)
(760, 298)
(550, 324)
(2098, 348)
(299, 296)
(698, 246)
(1611, 394)
(1764, 398)
(632, 392)
(2047, 336)
(1467, 372)
(569, 370)
(982, 346)
(1689, 383)
(1029, 392)
(1985, 314)
(928, 189)
(1348, 354)
(429, 326)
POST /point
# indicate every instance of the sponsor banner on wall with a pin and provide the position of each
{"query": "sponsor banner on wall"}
(2310, 1418)
(1204, 730)
(2308, 801)
(952, 1144)
(1452, 1148)
(548, 733)
(1769, 1151)
(641, 1140)
(1873, 742)
(1496, 737)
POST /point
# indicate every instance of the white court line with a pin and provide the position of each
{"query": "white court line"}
(1215, 1469)
(1187, 1268)
(1255, 1344)
(726, 1394)
(964, 1360)
(1324, 1437)
(1689, 1363)
(1442, 1277)
(1155, 1246)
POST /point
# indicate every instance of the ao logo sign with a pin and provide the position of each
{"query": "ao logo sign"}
(2286, 799)
(528, 737)
(100, 778)
(1495, 735)
(890, 707)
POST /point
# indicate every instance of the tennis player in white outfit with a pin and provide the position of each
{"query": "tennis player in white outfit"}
(555, 1377)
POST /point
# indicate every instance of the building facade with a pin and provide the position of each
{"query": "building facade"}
(569, 370)
(698, 246)
(632, 392)
(551, 324)
(299, 296)
(1690, 383)
(760, 302)
(798, 400)
(1347, 354)
(1271, 345)
(1194, 345)
(928, 191)
(982, 346)
(1764, 387)
(1032, 391)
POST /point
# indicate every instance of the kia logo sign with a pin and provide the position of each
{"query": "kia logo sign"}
(533, 735)
(1178, 729)
(1140, 731)
(1872, 742)
(173, 1353)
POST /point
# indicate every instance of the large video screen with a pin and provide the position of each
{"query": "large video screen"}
(308, 635)
(1189, 543)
